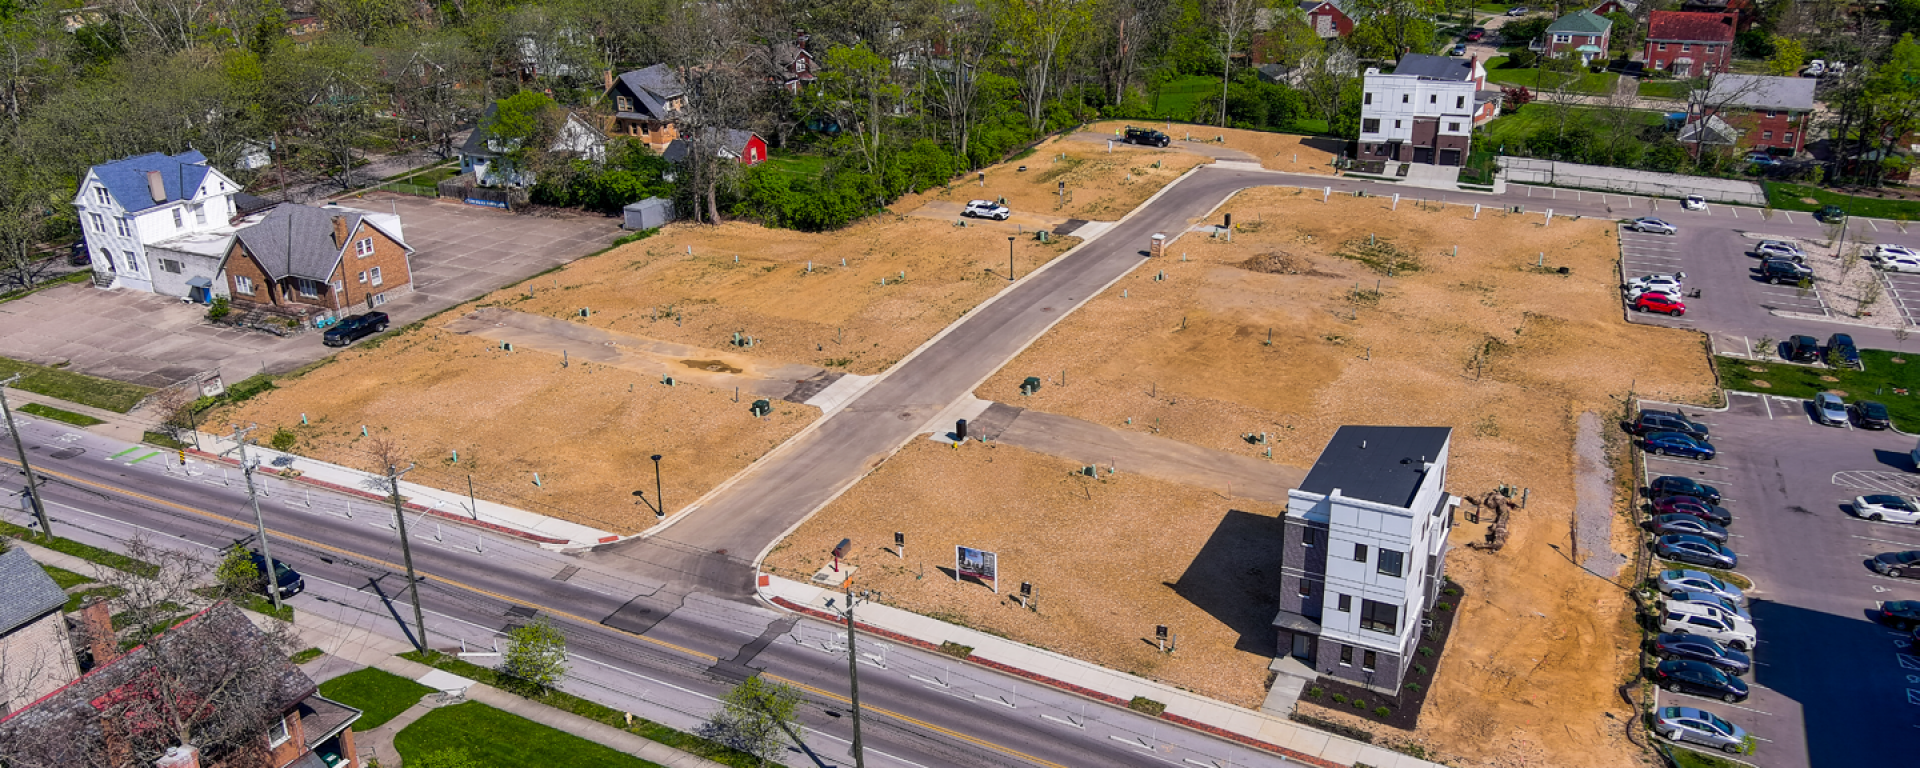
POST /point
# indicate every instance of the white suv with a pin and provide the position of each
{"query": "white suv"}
(987, 209)
(1708, 621)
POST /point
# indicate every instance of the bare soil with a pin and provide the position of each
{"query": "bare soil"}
(1507, 354)
(1276, 151)
(1100, 185)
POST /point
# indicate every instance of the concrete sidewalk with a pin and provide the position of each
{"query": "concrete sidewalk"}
(1067, 672)
(1151, 455)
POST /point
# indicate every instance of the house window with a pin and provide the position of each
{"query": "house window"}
(363, 247)
(1310, 537)
(1773, 113)
(1369, 660)
(1459, 102)
(1404, 98)
(200, 214)
(1346, 655)
(1686, 47)
(363, 276)
(170, 266)
(1453, 127)
(379, 299)
(623, 103)
(278, 734)
(99, 222)
(1359, 553)
(126, 229)
(1370, 125)
(1366, 98)
(307, 288)
(1391, 563)
(178, 219)
(1711, 47)
(339, 287)
(1345, 603)
(1379, 617)
(1663, 46)
(1563, 38)
(1396, 123)
(243, 284)
(374, 274)
(100, 195)
(1433, 98)
(1788, 137)
(1766, 135)
(133, 264)
(1306, 588)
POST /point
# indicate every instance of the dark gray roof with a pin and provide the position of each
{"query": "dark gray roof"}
(297, 241)
(476, 144)
(323, 718)
(26, 591)
(244, 204)
(732, 139)
(1377, 464)
(126, 179)
(650, 88)
(1762, 91)
(1435, 67)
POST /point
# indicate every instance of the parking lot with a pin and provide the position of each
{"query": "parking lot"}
(1830, 687)
(461, 252)
(1735, 306)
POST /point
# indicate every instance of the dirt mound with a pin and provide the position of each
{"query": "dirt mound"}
(1277, 263)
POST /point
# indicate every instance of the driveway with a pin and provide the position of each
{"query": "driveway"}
(1830, 687)
(461, 252)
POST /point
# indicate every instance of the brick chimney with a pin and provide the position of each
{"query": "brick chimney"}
(184, 756)
(157, 186)
(339, 231)
(607, 79)
(96, 621)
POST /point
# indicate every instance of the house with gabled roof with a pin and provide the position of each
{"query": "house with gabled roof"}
(36, 652)
(128, 205)
(1582, 33)
(1689, 44)
(1756, 112)
(732, 144)
(482, 153)
(646, 105)
(1425, 110)
(309, 262)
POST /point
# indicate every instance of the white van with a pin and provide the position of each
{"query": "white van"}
(1709, 622)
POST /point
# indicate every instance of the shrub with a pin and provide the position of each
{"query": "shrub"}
(1415, 687)
(1426, 650)
(1359, 704)
(1340, 698)
(221, 307)
(1420, 669)
(1445, 606)
(1316, 691)
(1382, 711)
(1146, 706)
(1329, 726)
(283, 439)
(1451, 591)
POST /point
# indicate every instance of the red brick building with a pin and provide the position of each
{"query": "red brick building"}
(1690, 44)
(312, 262)
(1582, 34)
(1327, 18)
(1752, 112)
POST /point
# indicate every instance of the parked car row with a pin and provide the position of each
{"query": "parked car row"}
(1839, 351)
(1658, 293)
(1668, 433)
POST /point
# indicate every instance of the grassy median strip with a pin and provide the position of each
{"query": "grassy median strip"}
(379, 695)
(491, 737)
(1884, 381)
(1794, 197)
(87, 552)
(105, 394)
(642, 727)
(49, 412)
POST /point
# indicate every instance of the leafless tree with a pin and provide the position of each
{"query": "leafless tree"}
(701, 40)
(968, 36)
(1234, 21)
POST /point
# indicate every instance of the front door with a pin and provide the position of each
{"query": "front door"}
(1303, 647)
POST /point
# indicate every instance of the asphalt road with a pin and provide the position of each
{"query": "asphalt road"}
(1831, 688)
(661, 654)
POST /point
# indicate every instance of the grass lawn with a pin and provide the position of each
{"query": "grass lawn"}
(109, 559)
(63, 577)
(47, 412)
(381, 695)
(1687, 758)
(105, 394)
(1665, 89)
(1513, 129)
(1787, 197)
(497, 739)
(793, 164)
(1588, 82)
(1876, 383)
(1179, 96)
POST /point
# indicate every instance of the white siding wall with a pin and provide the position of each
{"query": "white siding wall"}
(1401, 98)
(133, 266)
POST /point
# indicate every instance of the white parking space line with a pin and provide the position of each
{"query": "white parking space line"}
(1869, 223)
(1690, 462)
(1908, 544)
(1716, 702)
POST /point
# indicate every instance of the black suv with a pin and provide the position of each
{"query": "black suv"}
(1147, 136)
(290, 581)
(1673, 485)
(1841, 353)
(1868, 414)
(354, 328)
(1668, 421)
(1777, 271)
(1803, 349)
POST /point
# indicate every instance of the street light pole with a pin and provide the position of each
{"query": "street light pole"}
(659, 497)
(259, 520)
(32, 489)
(406, 553)
(1010, 258)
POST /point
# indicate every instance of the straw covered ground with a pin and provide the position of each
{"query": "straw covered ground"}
(1506, 352)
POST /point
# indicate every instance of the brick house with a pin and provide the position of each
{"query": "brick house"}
(1327, 18)
(1582, 33)
(1616, 6)
(1425, 111)
(36, 653)
(1754, 112)
(214, 660)
(1690, 44)
(1363, 554)
(646, 105)
(311, 262)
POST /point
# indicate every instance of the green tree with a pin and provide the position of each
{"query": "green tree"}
(1788, 57)
(1041, 34)
(757, 717)
(856, 87)
(237, 576)
(536, 655)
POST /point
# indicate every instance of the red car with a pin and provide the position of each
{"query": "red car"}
(1474, 35)
(1659, 302)
(1685, 505)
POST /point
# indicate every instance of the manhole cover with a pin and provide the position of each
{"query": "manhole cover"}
(66, 453)
(905, 416)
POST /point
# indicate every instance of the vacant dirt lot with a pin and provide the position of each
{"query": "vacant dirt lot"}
(1100, 185)
(1506, 354)
(1276, 151)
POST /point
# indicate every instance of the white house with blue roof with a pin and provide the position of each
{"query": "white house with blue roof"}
(130, 207)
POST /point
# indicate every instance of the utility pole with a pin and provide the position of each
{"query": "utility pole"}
(853, 680)
(260, 521)
(406, 553)
(33, 488)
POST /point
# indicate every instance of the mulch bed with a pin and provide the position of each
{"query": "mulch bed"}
(1403, 711)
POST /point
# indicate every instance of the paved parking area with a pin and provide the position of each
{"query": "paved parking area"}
(1831, 687)
(1903, 289)
(461, 252)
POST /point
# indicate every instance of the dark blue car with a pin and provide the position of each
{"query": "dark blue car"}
(1673, 485)
(1700, 679)
(1677, 444)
